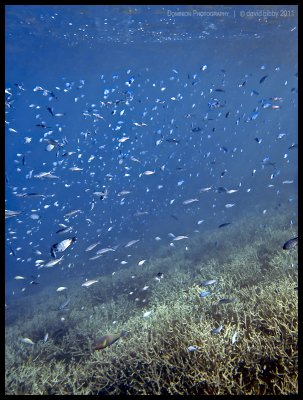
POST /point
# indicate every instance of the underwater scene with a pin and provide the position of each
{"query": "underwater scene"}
(151, 200)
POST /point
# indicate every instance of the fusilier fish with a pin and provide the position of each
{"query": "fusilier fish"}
(52, 263)
(189, 201)
(89, 283)
(92, 246)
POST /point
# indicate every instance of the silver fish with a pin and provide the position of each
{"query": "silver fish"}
(132, 242)
(208, 282)
(63, 305)
(10, 214)
(52, 263)
(217, 330)
(92, 246)
(189, 201)
(62, 246)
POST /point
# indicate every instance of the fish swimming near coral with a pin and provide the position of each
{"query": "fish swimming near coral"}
(107, 340)
(290, 243)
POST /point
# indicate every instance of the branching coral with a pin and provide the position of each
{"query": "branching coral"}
(154, 357)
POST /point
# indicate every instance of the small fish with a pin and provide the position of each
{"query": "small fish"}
(123, 139)
(27, 341)
(208, 282)
(62, 246)
(123, 192)
(189, 201)
(92, 246)
(10, 214)
(147, 314)
(180, 237)
(18, 277)
(206, 189)
(105, 250)
(141, 262)
(43, 175)
(225, 224)
(89, 283)
(291, 243)
(75, 169)
(64, 304)
(45, 339)
(159, 276)
(61, 288)
(204, 294)
(107, 340)
(148, 173)
(226, 301)
(263, 78)
(71, 213)
(234, 338)
(217, 330)
(52, 263)
(64, 230)
(192, 348)
(172, 140)
(131, 243)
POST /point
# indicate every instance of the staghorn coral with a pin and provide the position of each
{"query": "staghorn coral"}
(154, 359)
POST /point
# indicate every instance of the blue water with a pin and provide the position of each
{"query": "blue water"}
(82, 57)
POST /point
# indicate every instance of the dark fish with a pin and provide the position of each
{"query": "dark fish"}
(258, 140)
(12, 251)
(160, 275)
(291, 243)
(50, 110)
(25, 195)
(220, 90)
(226, 301)
(174, 217)
(42, 126)
(225, 224)
(263, 78)
(196, 129)
(173, 140)
(221, 189)
(64, 230)
(293, 146)
(224, 148)
(227, 114)
(107, 340)
(242, 84)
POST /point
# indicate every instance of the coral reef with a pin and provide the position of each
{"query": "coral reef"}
(154, 358)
